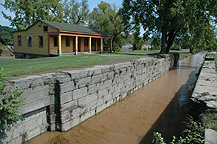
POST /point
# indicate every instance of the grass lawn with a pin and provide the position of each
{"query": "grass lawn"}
(15, 67)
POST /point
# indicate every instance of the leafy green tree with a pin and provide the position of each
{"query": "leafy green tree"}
(137, 40)
(106, 17)
(29, 11)
(6, 35)
(203, 37)
(10, 102)
(75, 12)
(156, 45)
(167, 18)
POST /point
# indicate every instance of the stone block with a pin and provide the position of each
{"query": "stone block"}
(78, 93)
(104, 68)
(87, 115)
(100, 101)
(65, 97)
(28, 82)
(103, 92)
(87, 99)
(37, 131)
(210, 136)
(92, 105)
(18, 131)
(34, 93)
(66, 87)
(63, 77)
(69, 106)
(121, 65)
(94, 88)
(94, 71)
(101, 108)
(66, 126)
(96, 79)
(35, 99)
(111, 89)
(109, 103)
(65, 116)
(105, 84)
(77, 112)
(75, 121)
(84, 82)
(107, 98)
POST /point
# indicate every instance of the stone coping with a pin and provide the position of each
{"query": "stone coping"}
(206, 86)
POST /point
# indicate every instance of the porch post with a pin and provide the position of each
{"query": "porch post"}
(89, 48)
(76, 45)
(111, 46)
(59, 45)
(101, 50)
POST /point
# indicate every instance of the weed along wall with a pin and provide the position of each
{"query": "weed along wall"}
(60, 101)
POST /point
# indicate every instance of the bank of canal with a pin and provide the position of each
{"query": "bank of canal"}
(160, 106)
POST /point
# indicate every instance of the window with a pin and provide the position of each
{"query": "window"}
(85, 41)
(67, 41)
(45, 28)
(40, 39)
(19, 40)
(55, 41)
(29, 41)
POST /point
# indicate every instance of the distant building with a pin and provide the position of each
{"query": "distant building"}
(129, 47)
(46, 38)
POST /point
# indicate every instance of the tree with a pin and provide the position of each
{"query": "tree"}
(28, 12)
(106, 17)
(156, 42)
(6, 36)
(75, 12)
(166, 17)
(203, 39)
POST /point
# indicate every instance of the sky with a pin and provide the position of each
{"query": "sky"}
(92, 4)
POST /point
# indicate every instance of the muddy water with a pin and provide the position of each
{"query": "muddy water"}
(159, 106)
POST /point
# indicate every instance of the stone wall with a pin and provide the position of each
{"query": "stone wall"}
(205, 91)
(61, 100)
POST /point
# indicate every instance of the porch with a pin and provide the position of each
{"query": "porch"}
(59, 43)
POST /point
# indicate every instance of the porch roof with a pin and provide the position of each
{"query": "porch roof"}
(74, 28)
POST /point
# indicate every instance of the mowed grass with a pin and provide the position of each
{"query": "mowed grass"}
(15, 67)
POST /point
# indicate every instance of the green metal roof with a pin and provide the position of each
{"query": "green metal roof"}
(74, 28)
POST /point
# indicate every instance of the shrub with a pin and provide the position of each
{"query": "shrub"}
(192, 134)
(209, 118)
(10, 102)
(2, 47)
(175, 47)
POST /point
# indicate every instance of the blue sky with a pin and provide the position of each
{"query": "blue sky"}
(92, 4)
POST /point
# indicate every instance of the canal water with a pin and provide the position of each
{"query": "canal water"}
(159, 106)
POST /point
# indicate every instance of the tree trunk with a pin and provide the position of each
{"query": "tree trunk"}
(163, 40)
(191, 50)
(170, 42)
